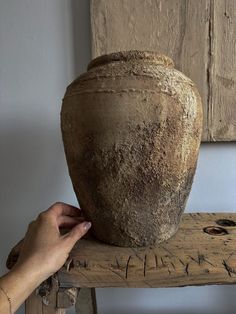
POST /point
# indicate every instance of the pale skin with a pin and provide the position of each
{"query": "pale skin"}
(44, 252)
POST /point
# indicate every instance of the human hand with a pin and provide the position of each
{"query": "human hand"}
(44, 249)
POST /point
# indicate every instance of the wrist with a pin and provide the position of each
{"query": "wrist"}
(32, 275)
(19, 283)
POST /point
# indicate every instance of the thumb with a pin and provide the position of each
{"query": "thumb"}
(77, 232)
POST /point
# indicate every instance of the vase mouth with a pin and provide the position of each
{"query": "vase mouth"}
(132, 55)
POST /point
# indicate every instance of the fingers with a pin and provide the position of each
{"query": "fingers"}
(30, 226)
(60, 208)
(68, 221)
(76, 233)
(61, 215)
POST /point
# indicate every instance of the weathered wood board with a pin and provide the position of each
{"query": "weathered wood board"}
(202, 252)
(199, 35)
(191, 257)
(47, 304)
(86, 301)
(222, 112)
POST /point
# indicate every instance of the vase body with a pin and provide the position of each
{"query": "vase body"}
(131, 128)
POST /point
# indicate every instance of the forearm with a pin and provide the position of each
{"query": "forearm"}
(44, 251)
(18, 284)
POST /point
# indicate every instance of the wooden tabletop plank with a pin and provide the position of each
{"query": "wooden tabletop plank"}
(202, 252)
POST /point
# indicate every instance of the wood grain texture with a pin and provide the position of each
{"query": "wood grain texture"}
(222, 111)
(47, 304)
(201, 252)
(191, 257)
(86, 301)
(192, 33)
(34, 305)
(66, 298)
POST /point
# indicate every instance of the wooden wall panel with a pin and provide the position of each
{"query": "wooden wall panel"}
(222, 113)
(183, 30)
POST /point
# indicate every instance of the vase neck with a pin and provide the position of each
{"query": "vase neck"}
(132, 55)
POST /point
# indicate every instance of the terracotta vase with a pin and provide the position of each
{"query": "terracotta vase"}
(131, 128)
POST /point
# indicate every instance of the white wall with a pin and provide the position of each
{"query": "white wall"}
(44, 44)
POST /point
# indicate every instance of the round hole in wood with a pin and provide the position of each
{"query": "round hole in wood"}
(215, 231)
(226, 222)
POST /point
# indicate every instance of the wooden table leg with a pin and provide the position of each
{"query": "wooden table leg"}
(49, 298)
(86, 301)
(35, 305)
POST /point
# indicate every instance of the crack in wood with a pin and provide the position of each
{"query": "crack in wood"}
(136, 254)
(117, 274)
(208, 262)
(200, 258)
(227, 268)
(117, 262)
(144, 265)
(230, 255)
(196, 257)
(126, 267)
(173, 265)
(186, 269)
(156, 261)
(148, 284)
(193, 259)
(163, 263)
(181, 262)
(168, 251)
(209, 72)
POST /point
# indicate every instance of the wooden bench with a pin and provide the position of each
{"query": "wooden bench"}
(203, 252)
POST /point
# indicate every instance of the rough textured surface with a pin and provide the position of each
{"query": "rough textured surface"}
(131, 130)
(201, 252)
(199, 35)
(86, 301)
(222, 112)
(47, 304)
(191, 257)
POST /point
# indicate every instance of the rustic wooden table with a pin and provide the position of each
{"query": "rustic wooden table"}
(201, 253)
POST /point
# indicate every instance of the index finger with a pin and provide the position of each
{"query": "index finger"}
(63, 209)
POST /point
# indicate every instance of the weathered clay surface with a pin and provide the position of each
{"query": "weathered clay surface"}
(131, 129)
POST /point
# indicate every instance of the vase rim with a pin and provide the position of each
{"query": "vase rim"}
(132, 55)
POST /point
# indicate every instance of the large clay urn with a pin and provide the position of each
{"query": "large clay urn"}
(131, 128)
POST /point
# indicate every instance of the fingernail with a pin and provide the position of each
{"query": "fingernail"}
(87, 225)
